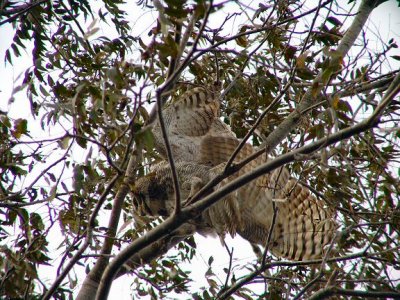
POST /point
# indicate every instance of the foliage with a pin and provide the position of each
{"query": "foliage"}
(93, 92)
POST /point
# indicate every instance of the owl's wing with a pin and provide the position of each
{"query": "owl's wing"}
(194, 112)
(233, 214)
(303, 225)
(216, 149)
(188, 120)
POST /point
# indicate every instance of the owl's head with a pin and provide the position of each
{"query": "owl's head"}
(153, 194)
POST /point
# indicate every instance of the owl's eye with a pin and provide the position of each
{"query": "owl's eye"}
(157, 192)
(163, 212)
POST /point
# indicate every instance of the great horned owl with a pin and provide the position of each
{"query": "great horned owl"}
(154, 193)
(201, 143)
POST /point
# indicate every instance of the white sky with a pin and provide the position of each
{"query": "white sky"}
(384, 22)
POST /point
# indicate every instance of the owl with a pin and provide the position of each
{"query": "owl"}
(154, 193)
(202, 144)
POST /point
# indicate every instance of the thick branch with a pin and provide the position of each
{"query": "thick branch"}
(331, 291)
(90, 286)
(157, 249)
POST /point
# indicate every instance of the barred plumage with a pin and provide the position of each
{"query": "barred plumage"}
(188, 120)
(303, 224)
(202, 143)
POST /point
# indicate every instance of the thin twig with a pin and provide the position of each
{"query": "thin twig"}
(309, 285)
(229, 270)
(170, 156)
(311, 27)
(333, 290)
(173, 60)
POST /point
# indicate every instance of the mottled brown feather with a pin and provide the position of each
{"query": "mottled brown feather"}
(200, 140)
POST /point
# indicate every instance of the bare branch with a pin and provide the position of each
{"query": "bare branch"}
(331, 291)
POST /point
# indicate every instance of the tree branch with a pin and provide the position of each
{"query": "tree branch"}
(90, 284)
(331, 291)
(321, 80)
(170, 156)
(157, 248)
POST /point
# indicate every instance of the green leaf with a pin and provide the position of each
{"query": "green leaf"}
(64, 142)
(146, 138)
(36, 221)
(20, 128)
(396, 57)
(210, 260)
(334, 21)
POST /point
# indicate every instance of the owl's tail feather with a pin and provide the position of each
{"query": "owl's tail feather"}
(304, 226)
